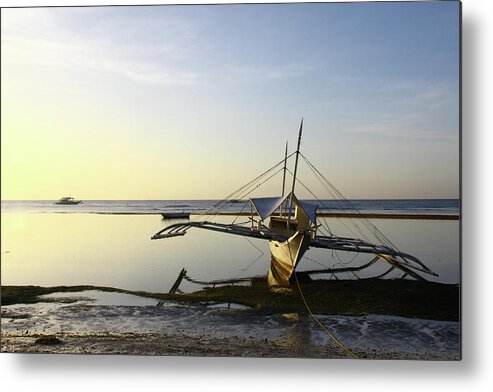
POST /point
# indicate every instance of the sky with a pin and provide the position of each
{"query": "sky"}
(192, 102)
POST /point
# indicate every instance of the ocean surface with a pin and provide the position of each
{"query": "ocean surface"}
(398, 206)
(108, 243)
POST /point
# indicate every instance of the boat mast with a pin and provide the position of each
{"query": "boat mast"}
(284, 175)
(294, 173)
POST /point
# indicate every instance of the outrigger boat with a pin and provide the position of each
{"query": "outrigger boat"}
(290, 225)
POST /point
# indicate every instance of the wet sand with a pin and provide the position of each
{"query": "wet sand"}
(162, 344)
(95, 322)
(187, 345)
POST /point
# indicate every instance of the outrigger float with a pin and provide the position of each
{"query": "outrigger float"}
(290, 225)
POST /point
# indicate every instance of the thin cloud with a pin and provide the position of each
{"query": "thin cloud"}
(44, 41)
(270, 73)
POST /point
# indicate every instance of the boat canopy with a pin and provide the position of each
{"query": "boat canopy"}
(266, 206)
(310, 210)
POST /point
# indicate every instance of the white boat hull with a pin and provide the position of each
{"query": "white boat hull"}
(285, 257)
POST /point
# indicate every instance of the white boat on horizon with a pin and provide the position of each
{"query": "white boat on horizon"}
(68, 201)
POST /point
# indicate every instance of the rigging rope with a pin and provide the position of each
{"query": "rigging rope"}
(320, 201)
(237, 191)
(263, 182)
(242, 271)
(239, 214)
(248, 190)
(334, 338)
(315, 261)
(327, 208)
(378, 234)
(341, 205)
(330, 334)
(348, 262)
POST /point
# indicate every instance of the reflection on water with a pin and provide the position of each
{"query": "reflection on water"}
(108, 250)
(100, 298)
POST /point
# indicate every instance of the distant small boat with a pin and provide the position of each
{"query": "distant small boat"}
(175, 215)
(235, 201)
(68, 201)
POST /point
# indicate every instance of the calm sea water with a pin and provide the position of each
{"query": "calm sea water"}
(399, 206)
(41, 247)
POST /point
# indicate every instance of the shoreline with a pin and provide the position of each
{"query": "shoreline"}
(337, 215)
(363, 215)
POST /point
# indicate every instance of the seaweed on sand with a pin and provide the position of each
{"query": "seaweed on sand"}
(406, 298)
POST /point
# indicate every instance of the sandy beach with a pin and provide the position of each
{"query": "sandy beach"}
(187, 345)
(98, 322)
